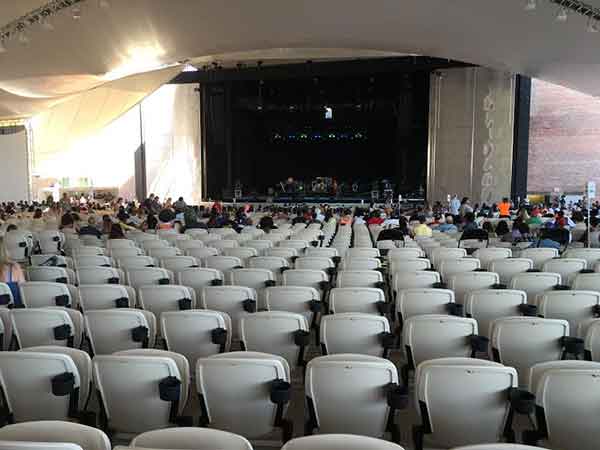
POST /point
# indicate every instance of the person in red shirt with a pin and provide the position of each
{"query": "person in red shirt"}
(375, 219)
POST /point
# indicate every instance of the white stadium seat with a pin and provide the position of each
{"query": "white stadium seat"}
(296, 299)
(358, 299)
(135, 262)
(104, 296)
(419, 301)
(539, 255)
(365, 334)
(334, 407)
(277, 333)
(535, 283)
(40, 294)
(568, 268)
(447, 410)
(233, 300)
(489, 254)
(149, 276)
(572, 306)
(487, 305)
(83, 363)
(39, 386)
(339, 442)
(153, 384)
(236, 386)
(463, 283)
(197, 333)
(160, 299)
(359, 278)
(114, 330)
(100, 275)
(508, 267)
(55, 433)
(522, 342)
(178, 263)
(42, 326)
(191, 439)
(223, 263)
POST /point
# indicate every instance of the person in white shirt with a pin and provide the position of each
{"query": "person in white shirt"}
(454, 205)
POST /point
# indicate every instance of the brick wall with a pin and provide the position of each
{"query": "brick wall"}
(564, 140)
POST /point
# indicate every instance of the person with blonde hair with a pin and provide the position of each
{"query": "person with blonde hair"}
(11, 274)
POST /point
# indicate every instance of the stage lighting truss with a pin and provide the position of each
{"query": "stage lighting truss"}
(18, 28)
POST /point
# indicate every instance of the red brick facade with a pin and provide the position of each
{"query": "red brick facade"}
(564, 140)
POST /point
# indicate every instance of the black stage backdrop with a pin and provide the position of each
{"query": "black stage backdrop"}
(258, 132)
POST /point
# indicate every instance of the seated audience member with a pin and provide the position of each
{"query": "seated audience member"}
(67, 224)
(375, 218)
(116, 232)
(488, 227)
(503, 232)
(346, 219)
(90, 228)
(151, 222)
(422, 230)
(107, 224)
(469, 222)
(266, 224)
(391, 234)
(448, 225)
(11, 274)
(504, 208)
(179, 205)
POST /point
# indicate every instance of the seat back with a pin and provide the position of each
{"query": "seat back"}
(163, 252)
(592, 340)
(40, 294)
(55, 432)
(243, 253)
(26, 379)
(537, 371)
(114, 330)
(590, 255)
(190, 333)
(449, 407)
(339, 442)
(142, 408)
(587, 282)
(463, 283)
(568, 268)
(437, 336)
(360, 263)
(235, 386)
(202, 253)
(356, 299)
(41, 326)
(135, 262)
(353, 333)
(305, 277)
(149, 276)
(487, 305)
(48, 273)
(178, 263)
(223, 263)
(119, 243)
(100, 275)
(417, 279)
(489, 254)
(314, 263)
(509, 267)
(283, 252)
(191, 438)
(572, 306)
(295, 299)
(159, 299)
(415, 302)
(326, 252)
(347, 392)
(522, 342)
(92, 261)
(440, 253)
(560, 393)
(273, 332)
(104, 296)
(535, 283)
(230, 300)
(407, 265)
(452, 266)
(362, 253)
(539, 255)
(405, 253)
(126, 252)
(358, 278)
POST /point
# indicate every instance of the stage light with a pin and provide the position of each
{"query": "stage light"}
(530, 5)
(592, 26)
(562, 15)
(76, 11)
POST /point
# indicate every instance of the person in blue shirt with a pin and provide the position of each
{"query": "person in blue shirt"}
(448, 226)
